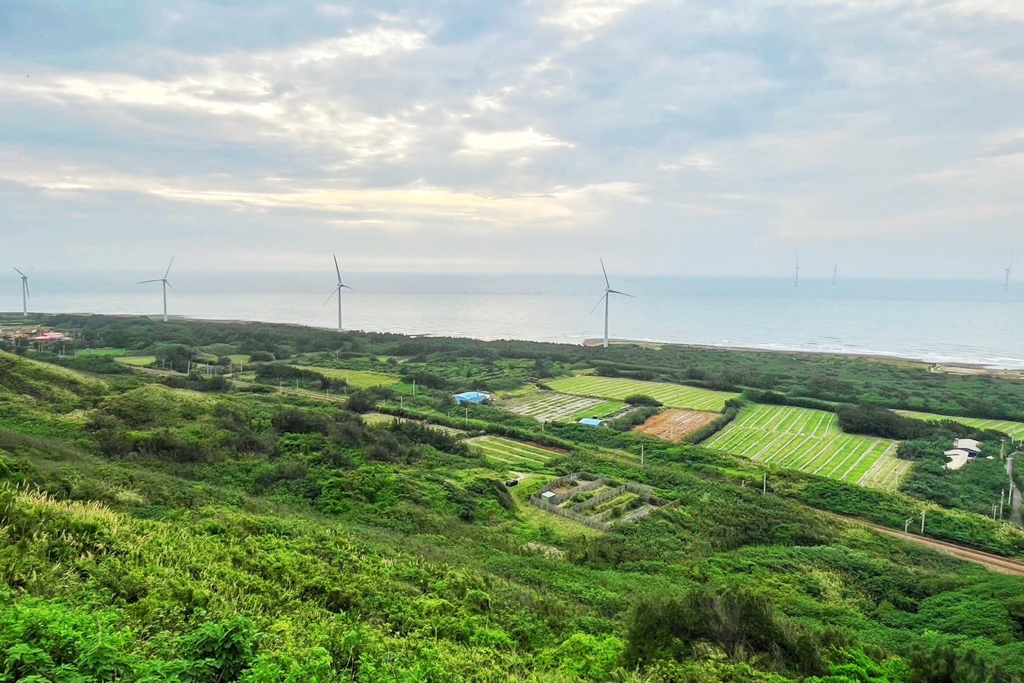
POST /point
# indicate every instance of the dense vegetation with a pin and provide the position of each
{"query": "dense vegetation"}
(173, 528)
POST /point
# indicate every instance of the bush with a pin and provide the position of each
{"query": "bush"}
(642, 400)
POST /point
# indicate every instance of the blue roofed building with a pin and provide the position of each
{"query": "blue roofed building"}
(471, 397)
(592, 422)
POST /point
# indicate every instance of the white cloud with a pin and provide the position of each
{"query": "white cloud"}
(586, 16)
(508, 141)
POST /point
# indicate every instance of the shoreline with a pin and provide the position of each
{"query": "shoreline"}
(950, 367)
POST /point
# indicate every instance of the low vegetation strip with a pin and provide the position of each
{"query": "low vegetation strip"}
(810, 441)
(672, 395)
(1014, 430)
(551, 407)
(512, 453)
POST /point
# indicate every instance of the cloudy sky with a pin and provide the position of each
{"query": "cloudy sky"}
(671, 136)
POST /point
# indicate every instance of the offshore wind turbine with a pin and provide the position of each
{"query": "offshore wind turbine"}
(25, 296)
(835, 274)
(166, 284)
(1006, 284)
(796, 273)
(337, 290)
(608, 291)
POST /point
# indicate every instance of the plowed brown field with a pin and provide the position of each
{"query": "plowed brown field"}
(674, 424)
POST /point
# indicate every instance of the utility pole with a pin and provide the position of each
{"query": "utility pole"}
(641, 454)
(1002, 497)
(922, 522)
(764, 484)
(993, 513)
(414, 387)
(467, 416)
(906, 524)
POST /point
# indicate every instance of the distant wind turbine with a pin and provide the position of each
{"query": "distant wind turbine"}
(1006, 284)
(796, 273)
(608, 291)
(25, 296)
(337, 290)
(166, 284)
(835, 274)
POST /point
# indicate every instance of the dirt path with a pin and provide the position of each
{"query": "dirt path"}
(996, 563)
(1015, 497)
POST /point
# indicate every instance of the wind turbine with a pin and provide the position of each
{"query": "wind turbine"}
(835, 274)
(796, 273)
(337, 290)
(25, 296)
(166, 284)
(1006, 284)
(608, 291)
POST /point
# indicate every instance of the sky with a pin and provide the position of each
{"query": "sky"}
(671, 137)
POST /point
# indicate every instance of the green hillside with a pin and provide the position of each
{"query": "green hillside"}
(172, 528)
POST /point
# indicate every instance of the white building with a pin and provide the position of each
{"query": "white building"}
(969, 445)
(957, 458)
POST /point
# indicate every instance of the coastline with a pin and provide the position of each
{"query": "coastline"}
(948, 367)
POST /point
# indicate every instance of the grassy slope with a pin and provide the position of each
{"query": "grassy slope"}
(410, 570)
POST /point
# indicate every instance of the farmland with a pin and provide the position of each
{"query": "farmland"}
(810, 441)
(1014, 430)
(675, 423)
(672, 395)
(513, 454)
(136, 361)
(546, 406)
(357, 379)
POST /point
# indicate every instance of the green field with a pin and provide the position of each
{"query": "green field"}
(546, 406)
(811, 441)
(357, 379)
(1015, 430)
(136, 361)
(672, 395)
(514, 454)
(102, 352)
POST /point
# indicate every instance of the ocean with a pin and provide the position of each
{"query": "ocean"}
(978, 322)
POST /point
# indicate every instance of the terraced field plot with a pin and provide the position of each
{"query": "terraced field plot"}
(549, 407)
(1014, 430)
(811, 441)
(675, 423)
(672, 395)
(357, 379)
(511, 453)
(136, 361)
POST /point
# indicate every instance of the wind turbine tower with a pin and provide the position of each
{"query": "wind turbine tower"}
(796, 273)
(337, 290)
(608, 291)
(165, 284)
(25, 294)
(835, 274)
(1006, 284)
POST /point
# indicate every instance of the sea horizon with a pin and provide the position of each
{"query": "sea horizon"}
(971, 322)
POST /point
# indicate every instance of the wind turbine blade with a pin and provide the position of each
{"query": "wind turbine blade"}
(19, 272)
(346, 287)
(147, 281)
(603, 270)
(597, 304)
(336, 268)
(615, 291)
(169, 268)
(330, 296)
(172, 288)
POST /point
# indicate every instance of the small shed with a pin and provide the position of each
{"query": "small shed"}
(957, 458)
(970, 445)
(592, 422)
(474, 397)
(547, 495)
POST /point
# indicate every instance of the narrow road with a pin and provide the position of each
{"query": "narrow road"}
(996, 563)
(1015, 497)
